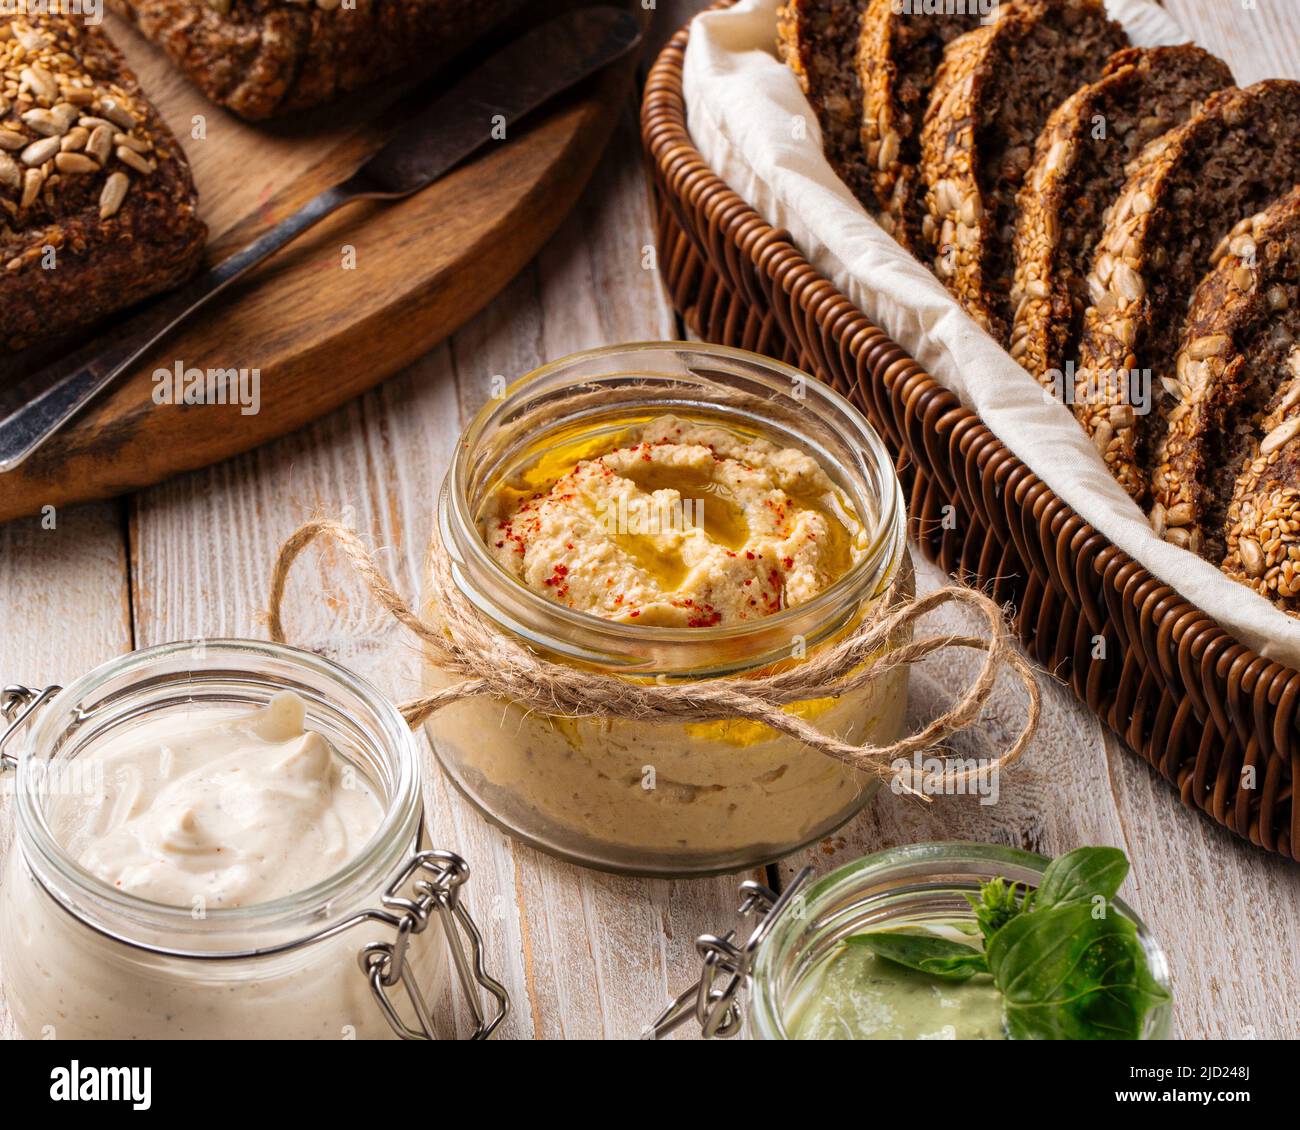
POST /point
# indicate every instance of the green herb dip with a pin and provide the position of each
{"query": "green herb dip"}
(855, 995)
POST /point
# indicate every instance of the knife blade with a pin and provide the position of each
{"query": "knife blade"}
(519, 79)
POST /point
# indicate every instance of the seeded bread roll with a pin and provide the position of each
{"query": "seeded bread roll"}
(818, 39)
(1263, 524)
(1239, 335)
(992, 96)
(1089, 140)
(1188, 190)
(97, 206)
(261, 58)
(898, 55)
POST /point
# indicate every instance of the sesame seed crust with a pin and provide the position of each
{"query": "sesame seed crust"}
(1143, 94)
(898, 56)
(1185, 194)
(1238, 338)
(818, 39)
(97, 206)
(261, 58)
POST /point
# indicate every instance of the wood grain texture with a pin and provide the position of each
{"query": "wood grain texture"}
(588, 955)
(378, 284)
(64, 592)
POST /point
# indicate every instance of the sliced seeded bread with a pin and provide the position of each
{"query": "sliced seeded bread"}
(1263, 523)
(1080, 156)
(898, 55)
(1240, 331)
(818, 39)
(260, 58)
(97, 205)
(992, 96)
(1185, 194)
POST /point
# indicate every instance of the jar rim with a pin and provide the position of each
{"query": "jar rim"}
(457, 518)
(402, 801)
(766, 1012)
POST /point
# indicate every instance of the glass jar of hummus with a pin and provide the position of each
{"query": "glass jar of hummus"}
(219, 839)
(794, 978)
(677, 513)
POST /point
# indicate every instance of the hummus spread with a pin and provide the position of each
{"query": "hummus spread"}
(681, 525)
(685, 524)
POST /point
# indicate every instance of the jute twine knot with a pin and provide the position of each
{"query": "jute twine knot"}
(489, 661)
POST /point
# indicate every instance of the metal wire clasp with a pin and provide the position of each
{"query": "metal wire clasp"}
(17, 705)
(438, 878)
(715, 1006)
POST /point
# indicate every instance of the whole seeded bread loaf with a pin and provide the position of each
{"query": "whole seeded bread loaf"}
(1263, 523)
(260, 58)
(994, 91)
(1188, 190)
(818, 39)
(97, 206)
(1240, 333)
(1079, 162)
(898, 55)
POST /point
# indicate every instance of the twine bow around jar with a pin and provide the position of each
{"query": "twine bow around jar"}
(490, 662)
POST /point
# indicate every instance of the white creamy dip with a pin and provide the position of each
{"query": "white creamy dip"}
(226, 811)
(211, 809)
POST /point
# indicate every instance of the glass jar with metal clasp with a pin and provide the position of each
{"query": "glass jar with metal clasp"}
(769, 984)
(352, 956)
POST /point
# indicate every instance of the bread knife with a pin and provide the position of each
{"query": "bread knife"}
(509, 85)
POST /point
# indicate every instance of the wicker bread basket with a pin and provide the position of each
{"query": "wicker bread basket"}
(1197, 704)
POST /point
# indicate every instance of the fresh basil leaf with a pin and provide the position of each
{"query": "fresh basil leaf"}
(1066, 974)
(1082, 874)
(926, 953)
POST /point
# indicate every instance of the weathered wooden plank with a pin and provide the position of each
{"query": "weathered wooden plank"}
(1227, 912)
(64, 595)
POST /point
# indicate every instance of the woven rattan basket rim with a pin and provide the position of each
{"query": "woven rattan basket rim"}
(1156, 622)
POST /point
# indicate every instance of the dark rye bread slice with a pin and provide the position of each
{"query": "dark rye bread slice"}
(97, 206)
(994, 92)
(1187, 191)
(1263, 524)
(1240, 331)
(898, 55)
(1079, 163)
(818, 39)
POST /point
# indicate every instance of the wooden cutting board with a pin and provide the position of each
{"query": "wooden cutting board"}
(352, 302)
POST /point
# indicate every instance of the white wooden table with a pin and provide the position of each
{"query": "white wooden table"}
(585, 954)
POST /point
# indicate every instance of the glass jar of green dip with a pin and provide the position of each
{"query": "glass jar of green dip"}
(795, 978)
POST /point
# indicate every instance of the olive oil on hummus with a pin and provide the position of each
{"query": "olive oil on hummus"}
(676, 524)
